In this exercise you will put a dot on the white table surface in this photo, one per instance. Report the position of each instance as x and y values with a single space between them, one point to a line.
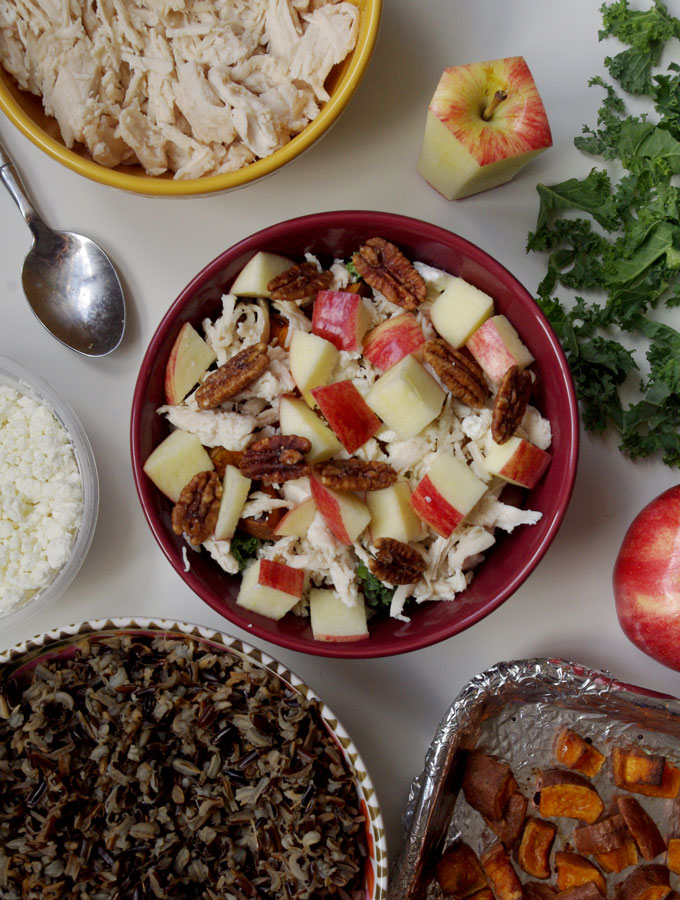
390 706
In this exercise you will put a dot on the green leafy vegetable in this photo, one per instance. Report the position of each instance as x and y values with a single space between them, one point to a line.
351 268
243 548
375 592
613 237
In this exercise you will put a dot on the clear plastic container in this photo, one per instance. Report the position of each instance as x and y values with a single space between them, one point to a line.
15 375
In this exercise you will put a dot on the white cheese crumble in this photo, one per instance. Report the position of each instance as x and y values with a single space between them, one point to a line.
41 497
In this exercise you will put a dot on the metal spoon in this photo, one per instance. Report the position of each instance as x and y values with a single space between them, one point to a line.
69 282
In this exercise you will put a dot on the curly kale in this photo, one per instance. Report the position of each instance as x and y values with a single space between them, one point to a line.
243 548
376 594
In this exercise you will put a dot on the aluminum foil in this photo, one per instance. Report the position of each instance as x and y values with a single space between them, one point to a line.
515 710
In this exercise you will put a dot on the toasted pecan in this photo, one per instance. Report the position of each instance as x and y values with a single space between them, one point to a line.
355 474
396 562
384 267
461 374
510 403
301 281
276 459
232 377
195 513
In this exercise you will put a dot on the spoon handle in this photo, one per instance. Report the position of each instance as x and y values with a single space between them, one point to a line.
10 178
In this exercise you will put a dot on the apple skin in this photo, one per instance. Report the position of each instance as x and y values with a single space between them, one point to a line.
392 340
347 413
647 579
341 318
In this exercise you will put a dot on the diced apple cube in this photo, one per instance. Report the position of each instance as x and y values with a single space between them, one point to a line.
254 277
312 360
332 620
496 346
270 588
392 515
446 494
189 359
235 488
342 318
517 461
297 520
459 311
295 417
406 397
347 413
175 461
392 340
344 514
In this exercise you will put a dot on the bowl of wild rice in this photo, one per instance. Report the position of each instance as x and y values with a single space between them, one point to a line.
151 759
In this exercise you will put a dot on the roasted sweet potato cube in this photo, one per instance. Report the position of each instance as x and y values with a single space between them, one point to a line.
635 767
539 890
459 872
673 855
533 853
651 882
601 837
488 784
565 793
509 828
668 789
619 859
643 828
574 752
587 891
574 869
484 894
501 873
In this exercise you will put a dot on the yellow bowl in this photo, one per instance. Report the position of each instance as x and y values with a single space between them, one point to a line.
26 112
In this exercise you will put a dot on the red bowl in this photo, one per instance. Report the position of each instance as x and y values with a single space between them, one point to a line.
332 235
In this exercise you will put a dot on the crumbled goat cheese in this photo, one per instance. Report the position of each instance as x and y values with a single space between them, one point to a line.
195 87
41 497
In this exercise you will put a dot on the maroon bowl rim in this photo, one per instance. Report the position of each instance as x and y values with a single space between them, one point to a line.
378 223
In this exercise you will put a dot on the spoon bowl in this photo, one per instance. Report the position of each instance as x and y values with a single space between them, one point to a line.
70 283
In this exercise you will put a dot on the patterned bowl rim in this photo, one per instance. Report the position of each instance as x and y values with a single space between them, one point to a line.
376 874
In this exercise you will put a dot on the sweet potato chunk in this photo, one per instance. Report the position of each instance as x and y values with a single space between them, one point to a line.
459 872
539 890
601 837
643 828
533 854
501 873
574 870
484 894
619 859
509 828
637 768
668 789
651 882
587 891
673 855
488 784
574 752
565 793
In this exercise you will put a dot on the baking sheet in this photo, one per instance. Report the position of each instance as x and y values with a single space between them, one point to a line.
514 710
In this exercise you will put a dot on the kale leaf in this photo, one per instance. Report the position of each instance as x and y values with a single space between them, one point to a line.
375 593
243 548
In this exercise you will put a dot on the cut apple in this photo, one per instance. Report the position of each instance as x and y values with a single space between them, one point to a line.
517 461
254 277
459 311
235 488
312 360
392 340
446 494
297 520
189 359
332 620
392 515
342 318
295 417
406 397
347 413
345 515
485 121
496 346
175 461
270 588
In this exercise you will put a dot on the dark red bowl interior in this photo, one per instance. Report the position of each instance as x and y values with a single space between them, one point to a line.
332 235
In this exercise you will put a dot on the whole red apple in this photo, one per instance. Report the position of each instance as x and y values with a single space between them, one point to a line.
647 579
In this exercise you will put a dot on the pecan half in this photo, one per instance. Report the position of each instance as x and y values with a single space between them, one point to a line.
232 377
299 282
396 562
461 374
355 475
221 458
276 459
385 268
510 404
195 513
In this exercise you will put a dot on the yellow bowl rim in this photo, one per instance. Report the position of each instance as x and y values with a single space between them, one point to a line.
210 184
